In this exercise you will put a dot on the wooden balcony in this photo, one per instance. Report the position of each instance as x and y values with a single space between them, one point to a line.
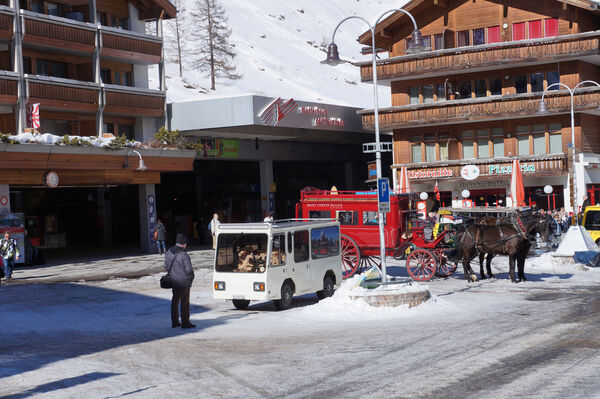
62 94
456 60
50 31
133 101
130 46
6 22
8 87
481 109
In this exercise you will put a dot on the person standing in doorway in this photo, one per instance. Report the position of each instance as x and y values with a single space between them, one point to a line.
160 232
9 250
179 266
214 224
268 218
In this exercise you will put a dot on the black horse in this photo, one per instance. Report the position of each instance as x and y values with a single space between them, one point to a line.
531 224
502 238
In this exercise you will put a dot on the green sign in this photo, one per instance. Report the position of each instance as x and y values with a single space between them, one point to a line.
218 148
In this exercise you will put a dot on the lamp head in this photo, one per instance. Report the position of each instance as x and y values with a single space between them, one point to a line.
142 166
333 56
542 109
417 45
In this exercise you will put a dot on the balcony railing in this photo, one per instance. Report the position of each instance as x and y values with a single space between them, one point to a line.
8 87
133 101
482 56
51 31
65 94
128 45
6 22
478 109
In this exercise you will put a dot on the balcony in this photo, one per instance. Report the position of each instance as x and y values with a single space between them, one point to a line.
6 22
62 94
50 31
133 101
481 109
486 56
130 46
8 87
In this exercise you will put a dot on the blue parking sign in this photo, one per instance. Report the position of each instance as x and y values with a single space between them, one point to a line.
383 194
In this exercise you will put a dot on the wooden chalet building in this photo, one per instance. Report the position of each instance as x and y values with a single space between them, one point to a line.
86 64
474 98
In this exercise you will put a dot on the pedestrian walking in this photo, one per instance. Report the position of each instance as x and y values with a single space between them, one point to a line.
9 250
179 266
214 224
160 234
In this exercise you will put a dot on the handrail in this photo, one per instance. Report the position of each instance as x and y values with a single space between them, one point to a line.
66 22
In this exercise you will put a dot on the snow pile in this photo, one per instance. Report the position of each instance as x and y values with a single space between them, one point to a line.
48 138
279 46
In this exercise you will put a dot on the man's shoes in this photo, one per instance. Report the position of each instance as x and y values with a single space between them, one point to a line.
188 326
176 325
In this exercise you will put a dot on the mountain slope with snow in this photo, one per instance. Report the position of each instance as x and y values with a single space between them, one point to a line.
279 47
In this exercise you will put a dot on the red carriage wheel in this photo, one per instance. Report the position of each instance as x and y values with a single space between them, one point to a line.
367 261
350 256
446 268
421 265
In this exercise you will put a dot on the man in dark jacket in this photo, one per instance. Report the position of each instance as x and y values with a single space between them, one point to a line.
179 266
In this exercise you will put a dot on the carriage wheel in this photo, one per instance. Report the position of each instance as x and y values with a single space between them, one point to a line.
369 261
446 268
421 265
350 256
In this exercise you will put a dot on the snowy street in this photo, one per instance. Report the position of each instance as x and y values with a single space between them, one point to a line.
490 339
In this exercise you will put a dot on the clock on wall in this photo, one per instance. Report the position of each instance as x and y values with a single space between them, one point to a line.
51 179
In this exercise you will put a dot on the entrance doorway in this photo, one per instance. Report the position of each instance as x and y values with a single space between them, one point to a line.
490 197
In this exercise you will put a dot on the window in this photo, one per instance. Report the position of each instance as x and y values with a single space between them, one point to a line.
483 143
553 77
427 94
413 94
325 242
498 141
278 250
539 139
348 218
480 88
550 27
427 41
319 214
53 9
493 34
241 253
105 75
523 140
440 92
467 144
26 64
535 29
438 41
408 43
126 130
127 79
114 21
101 16
429 148
301 246
478 36
117 77
555 138
415 149
521 83
463 38
443 140
464 90
370 218
36 6
108 128
124 23
58 69
518 31
496 86
537 82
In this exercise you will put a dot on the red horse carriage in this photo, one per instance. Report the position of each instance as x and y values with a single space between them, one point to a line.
357 212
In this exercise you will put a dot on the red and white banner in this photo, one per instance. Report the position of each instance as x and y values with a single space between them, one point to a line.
33 116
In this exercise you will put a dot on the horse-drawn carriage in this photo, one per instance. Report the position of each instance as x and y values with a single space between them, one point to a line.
357 212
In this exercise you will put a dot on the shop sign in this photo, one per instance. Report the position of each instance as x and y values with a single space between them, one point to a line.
320 117
372 171
218 148
277 110
507 169
470 172
427 174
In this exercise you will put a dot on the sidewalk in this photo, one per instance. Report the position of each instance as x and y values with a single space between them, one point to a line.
86 269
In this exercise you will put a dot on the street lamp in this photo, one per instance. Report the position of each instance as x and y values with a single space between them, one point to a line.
333 59
572 175
142 166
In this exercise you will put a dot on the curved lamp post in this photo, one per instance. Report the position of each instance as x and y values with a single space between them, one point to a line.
142 165
544 110
333 59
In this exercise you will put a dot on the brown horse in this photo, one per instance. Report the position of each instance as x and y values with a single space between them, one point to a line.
492 240
532 224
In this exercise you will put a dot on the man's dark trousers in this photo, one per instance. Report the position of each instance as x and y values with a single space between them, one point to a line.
183 297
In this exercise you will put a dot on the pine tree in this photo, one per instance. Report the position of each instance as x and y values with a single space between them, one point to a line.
175 36
214 54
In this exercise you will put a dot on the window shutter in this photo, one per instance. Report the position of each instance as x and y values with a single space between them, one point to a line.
518 31
493 34
535 29
551 27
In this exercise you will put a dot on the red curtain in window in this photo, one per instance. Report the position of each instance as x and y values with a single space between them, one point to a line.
518 31
551 27
493 33
535 29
